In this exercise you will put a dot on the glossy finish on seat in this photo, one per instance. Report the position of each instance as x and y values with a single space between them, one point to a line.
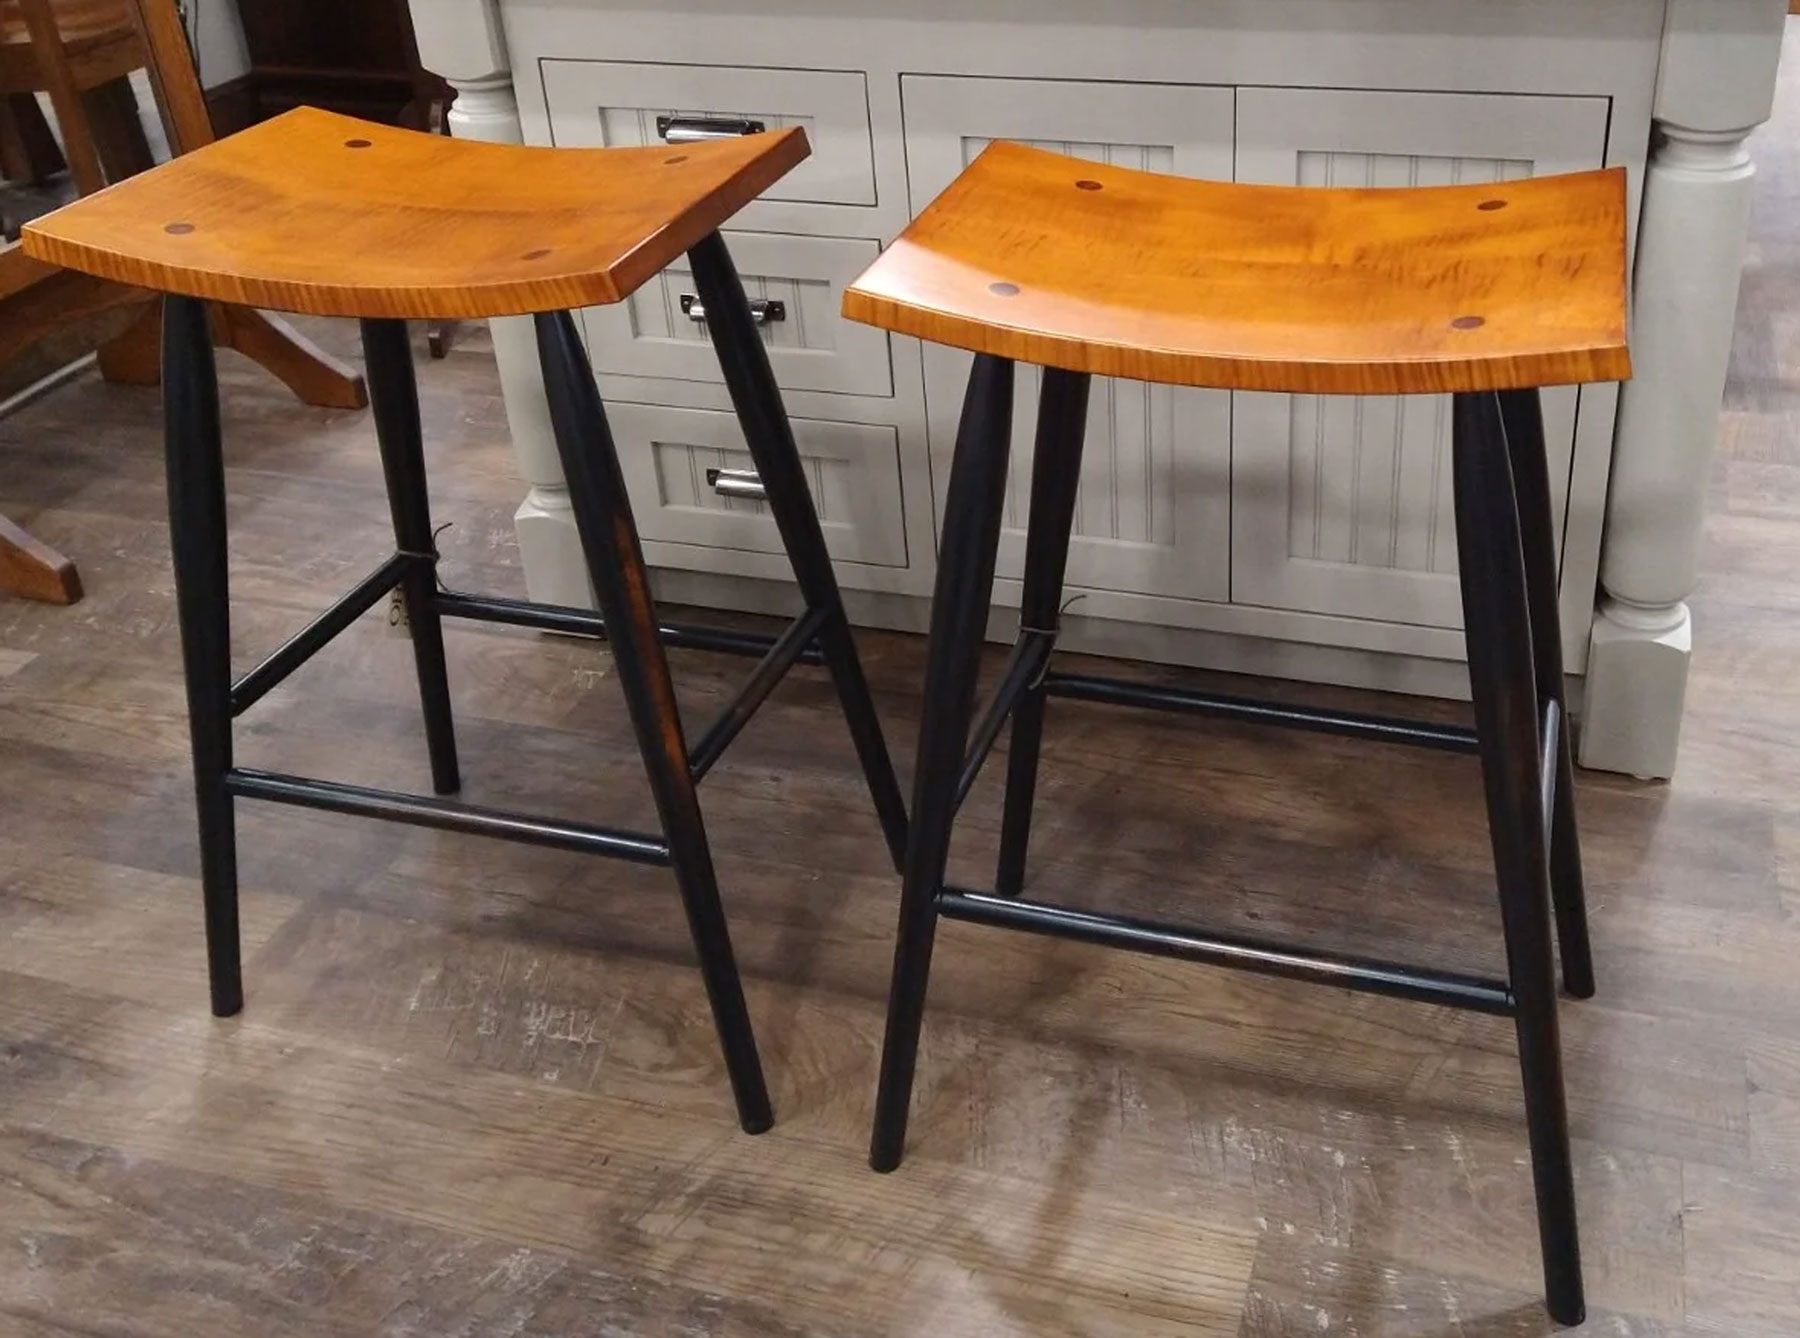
320 213
1041 258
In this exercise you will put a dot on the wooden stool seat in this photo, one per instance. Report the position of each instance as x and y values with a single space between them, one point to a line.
1041 258
326 214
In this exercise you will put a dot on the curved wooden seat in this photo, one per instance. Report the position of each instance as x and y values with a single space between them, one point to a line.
1052 260
320 213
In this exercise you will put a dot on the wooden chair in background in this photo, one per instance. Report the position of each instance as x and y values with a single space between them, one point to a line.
136 359
81 53
29 153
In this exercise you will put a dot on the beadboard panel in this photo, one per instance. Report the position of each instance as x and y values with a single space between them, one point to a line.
1342 504
1153 511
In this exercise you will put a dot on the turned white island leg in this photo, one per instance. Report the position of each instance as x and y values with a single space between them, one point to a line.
463 41
1716 85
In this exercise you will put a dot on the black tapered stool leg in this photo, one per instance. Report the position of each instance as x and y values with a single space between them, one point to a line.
1503 678
1055 485
394 398
196 468
1523 416
959 611
770 437
609 539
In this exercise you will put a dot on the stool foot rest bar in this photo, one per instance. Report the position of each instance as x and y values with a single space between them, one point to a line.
369 591
317 634
424 811
1253 711
796 645
587 622
1157 938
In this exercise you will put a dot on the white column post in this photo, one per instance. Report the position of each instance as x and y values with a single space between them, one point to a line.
1716 84
463 41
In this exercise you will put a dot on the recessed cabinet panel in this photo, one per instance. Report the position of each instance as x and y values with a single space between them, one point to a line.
1153 515
1342 504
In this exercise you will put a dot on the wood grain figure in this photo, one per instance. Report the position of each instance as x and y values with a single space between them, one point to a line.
1047 259
328 215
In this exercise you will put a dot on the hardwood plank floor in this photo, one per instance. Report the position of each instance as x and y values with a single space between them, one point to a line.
476 1092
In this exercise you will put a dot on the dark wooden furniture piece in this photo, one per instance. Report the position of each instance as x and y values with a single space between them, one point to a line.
28 150
311 373
358 57
353 56
81 53
1487 291
35 570
323 214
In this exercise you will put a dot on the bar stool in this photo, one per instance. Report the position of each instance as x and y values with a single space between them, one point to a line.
1488 292
319 213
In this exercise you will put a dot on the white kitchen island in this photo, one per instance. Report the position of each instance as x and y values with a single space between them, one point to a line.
1287 535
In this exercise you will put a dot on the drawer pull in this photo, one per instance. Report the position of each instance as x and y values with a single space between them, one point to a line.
739 483
699 129
763 310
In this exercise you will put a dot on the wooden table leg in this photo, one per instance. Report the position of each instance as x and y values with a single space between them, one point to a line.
28 151
35 570
135 357
305 368
118 130
440 336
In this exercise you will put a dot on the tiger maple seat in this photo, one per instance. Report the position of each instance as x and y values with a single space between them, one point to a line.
1488 292
325 214
1040 258
319 213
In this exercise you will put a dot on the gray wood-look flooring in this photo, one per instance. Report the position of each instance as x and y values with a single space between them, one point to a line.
476 1093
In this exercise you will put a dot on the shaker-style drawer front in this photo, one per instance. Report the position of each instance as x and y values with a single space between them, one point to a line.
692 481
794 284
610 104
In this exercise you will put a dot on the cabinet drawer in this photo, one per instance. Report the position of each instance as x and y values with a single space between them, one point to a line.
852 468
800 280
608 103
